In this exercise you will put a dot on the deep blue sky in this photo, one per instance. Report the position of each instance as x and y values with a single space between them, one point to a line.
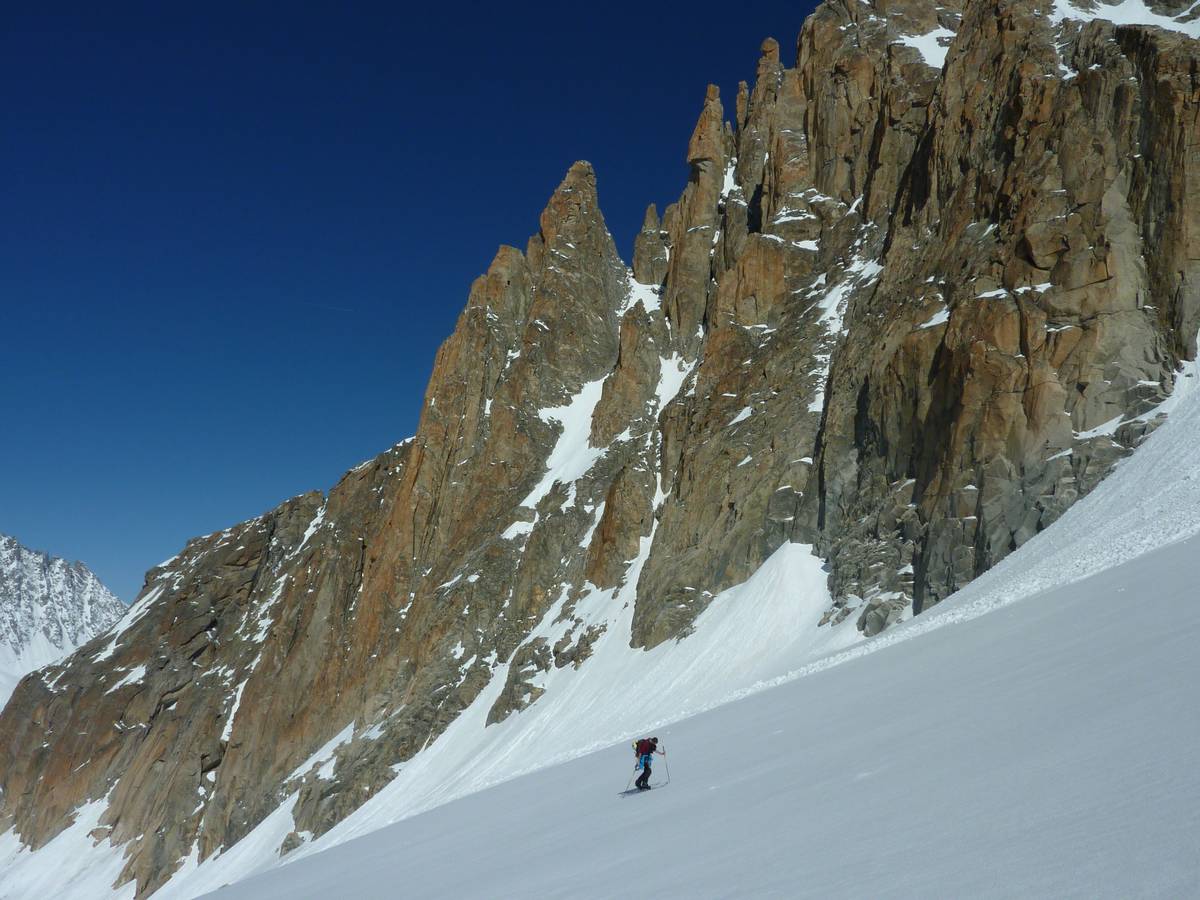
232 236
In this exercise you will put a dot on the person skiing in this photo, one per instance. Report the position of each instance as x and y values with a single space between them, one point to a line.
644 749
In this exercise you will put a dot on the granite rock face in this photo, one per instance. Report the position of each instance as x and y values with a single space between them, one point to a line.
1038 288
914 300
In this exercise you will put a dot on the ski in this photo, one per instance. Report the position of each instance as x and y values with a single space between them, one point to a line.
660 784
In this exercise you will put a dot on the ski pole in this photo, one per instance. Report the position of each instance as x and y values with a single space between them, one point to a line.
667 766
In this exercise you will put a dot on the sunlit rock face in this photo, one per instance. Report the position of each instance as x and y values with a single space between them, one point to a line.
925 283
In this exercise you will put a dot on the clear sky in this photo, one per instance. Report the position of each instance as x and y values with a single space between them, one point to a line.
233 235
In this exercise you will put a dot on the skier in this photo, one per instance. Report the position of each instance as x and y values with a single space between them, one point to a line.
644 750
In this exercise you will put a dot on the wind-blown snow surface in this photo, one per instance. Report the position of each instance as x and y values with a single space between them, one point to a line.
1047 746
48 607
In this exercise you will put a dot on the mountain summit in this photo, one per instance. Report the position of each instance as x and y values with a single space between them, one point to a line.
921 290
48 607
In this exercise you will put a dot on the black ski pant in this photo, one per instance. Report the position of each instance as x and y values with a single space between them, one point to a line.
644 779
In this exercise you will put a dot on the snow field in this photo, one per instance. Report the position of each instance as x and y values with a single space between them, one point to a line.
1151 501
1049 749
750 633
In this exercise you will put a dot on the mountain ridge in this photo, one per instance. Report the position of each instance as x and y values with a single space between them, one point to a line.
48 607
895 316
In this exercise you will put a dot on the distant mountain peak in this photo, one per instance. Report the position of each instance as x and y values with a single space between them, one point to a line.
48 607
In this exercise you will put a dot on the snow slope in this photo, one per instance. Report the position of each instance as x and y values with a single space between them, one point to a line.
48 607
1034 726
751 633
1035 734
1049 749
1032 734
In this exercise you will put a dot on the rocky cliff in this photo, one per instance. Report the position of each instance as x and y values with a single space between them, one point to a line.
920 291
48 607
